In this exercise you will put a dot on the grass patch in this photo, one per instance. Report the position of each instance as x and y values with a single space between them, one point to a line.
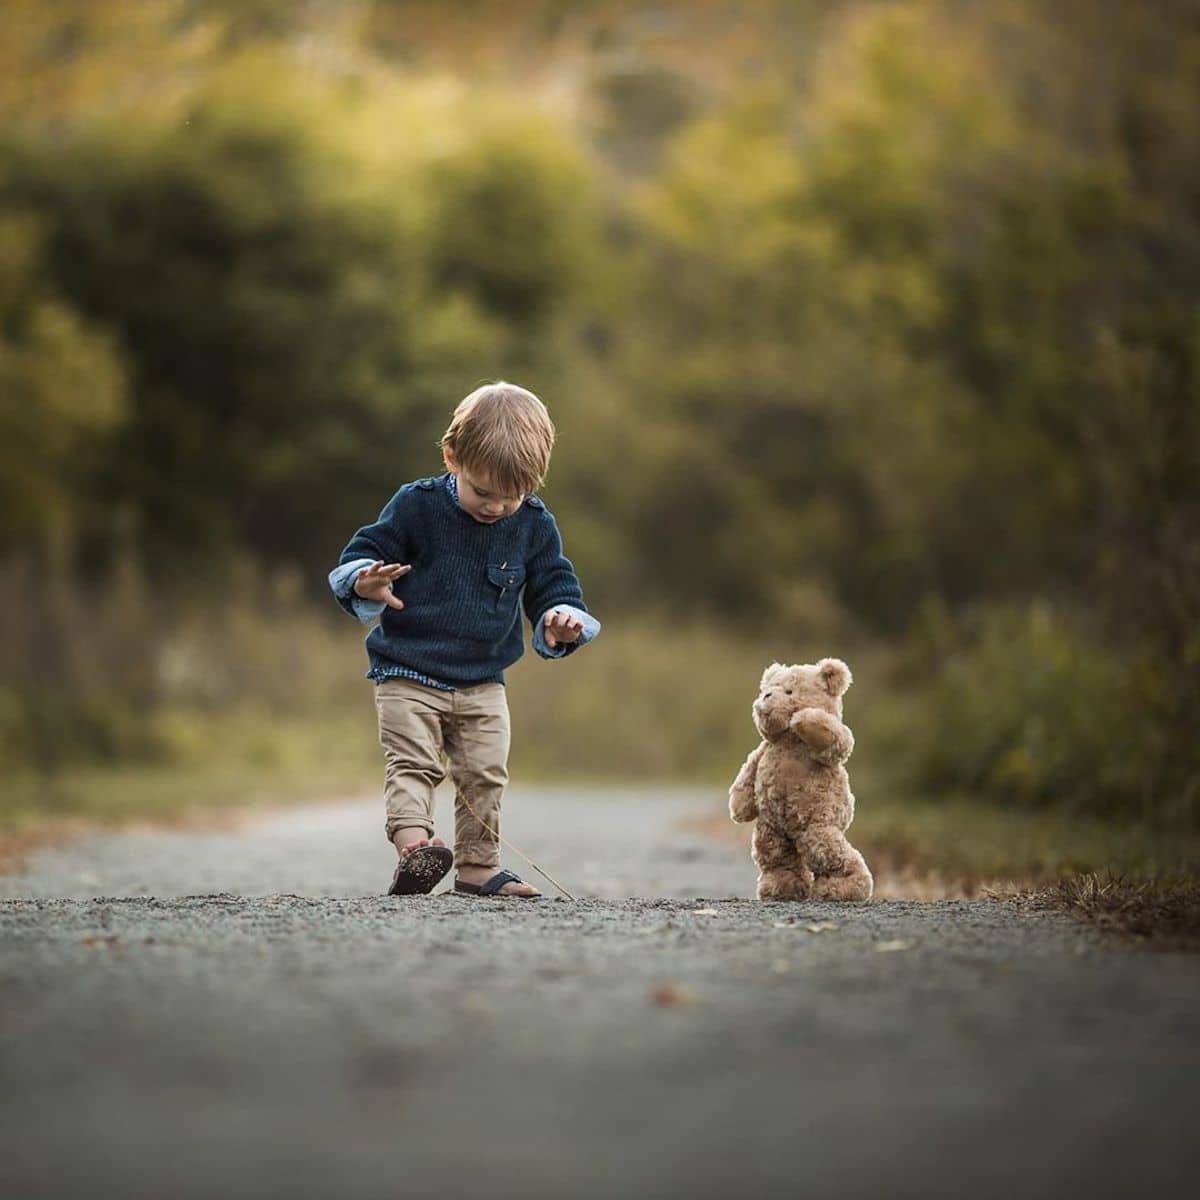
1161 912
983 845
221 765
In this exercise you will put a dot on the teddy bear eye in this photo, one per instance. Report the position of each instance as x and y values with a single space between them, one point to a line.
787 691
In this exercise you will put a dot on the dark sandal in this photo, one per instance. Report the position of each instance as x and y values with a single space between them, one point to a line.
420 871
492 887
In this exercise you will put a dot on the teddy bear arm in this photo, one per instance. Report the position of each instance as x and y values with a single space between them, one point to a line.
827 738
741 795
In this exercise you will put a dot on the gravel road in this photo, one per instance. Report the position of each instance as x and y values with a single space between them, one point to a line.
243 1015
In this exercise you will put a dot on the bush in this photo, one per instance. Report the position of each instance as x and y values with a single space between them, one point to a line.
1024 708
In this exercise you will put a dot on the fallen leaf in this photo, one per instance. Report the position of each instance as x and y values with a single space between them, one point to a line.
780 966
898 944
667 995
821 927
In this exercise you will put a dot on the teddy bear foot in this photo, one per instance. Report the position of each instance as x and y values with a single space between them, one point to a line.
784 883
857 886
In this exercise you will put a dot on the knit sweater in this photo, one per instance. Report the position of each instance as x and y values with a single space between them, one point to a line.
469 581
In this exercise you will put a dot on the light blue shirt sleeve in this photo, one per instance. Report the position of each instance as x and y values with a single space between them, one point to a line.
591 627
341 580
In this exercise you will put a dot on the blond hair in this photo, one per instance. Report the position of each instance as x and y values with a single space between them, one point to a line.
505 432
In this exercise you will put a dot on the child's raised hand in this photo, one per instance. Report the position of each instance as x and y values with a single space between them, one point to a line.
561 627
375 582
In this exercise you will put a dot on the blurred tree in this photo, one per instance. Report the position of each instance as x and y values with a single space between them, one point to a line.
65 392
64 389
896 294
510 224
294 307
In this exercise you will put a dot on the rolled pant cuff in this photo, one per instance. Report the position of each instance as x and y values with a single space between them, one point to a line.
395 823
477 854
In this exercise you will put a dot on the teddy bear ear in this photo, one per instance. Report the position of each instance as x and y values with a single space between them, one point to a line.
768 673
835 675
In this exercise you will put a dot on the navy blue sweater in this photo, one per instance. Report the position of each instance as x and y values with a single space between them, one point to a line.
461 621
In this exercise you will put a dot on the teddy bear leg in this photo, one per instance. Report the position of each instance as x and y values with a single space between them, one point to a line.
785 883
782 874
840 871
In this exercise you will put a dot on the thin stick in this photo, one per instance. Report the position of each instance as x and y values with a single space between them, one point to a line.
520 854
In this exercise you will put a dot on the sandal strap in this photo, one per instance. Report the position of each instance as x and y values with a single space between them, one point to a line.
498 880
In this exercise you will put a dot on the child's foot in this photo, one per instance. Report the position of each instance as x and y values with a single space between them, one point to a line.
424 862
404 849
477 876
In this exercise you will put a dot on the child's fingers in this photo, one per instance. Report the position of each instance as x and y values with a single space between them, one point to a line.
562 627
391 601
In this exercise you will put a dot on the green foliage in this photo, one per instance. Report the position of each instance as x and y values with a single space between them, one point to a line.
1026 710
65 392
510 223
293 309
898 295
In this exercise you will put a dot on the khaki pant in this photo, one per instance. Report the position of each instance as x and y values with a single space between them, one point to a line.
420 730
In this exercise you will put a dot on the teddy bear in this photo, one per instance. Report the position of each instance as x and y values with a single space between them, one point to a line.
796 789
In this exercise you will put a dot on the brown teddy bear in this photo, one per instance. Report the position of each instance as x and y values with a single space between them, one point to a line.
795 787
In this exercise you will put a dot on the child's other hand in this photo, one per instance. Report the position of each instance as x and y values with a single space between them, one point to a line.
561 627
375 582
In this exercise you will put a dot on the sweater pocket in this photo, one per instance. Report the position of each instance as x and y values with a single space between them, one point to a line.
507 582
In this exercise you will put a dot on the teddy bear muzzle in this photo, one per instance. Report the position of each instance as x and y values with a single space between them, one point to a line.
770 719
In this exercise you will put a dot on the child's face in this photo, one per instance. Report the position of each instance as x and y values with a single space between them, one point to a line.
479 496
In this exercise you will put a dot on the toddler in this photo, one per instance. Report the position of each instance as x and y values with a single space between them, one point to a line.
446 570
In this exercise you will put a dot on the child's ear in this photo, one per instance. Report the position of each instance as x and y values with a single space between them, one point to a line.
449 460
835 675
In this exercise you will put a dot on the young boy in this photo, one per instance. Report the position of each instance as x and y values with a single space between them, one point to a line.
443 570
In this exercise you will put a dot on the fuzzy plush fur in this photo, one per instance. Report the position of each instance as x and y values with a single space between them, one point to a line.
795 787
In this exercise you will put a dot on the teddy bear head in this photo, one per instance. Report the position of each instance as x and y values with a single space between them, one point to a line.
785 690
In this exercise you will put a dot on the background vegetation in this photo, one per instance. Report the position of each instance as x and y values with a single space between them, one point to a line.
869 329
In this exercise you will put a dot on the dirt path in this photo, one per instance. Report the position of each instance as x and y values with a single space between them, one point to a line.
245 1016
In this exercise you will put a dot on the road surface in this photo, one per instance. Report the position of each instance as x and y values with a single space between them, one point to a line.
241 1013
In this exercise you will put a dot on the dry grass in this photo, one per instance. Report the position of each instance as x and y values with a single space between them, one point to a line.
1163 913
